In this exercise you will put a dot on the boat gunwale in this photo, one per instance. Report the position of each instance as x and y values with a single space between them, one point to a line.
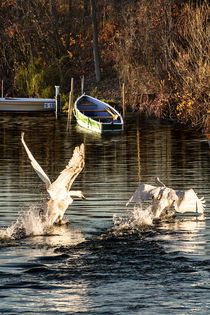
99 101
16 105
27 100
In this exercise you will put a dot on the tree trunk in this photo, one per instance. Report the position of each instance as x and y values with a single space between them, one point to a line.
54 17
95 42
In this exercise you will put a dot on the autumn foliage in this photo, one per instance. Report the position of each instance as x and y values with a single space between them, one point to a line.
158 48
165 60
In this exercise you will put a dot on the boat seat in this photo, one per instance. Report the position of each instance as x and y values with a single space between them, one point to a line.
100 117
92 110
86 104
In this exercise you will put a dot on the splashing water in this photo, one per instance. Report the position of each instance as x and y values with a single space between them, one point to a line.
138 219
28 223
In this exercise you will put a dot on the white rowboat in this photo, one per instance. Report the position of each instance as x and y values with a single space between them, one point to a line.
96 115
10 104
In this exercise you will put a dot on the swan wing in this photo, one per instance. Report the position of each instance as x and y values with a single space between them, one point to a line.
66 178
144 192
188 201
35 164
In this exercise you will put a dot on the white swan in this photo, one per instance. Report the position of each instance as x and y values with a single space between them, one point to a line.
163 198
59 190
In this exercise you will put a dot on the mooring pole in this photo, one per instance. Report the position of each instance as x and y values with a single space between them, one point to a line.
82 84
123 99
69 108
71 103
2 88
58 102
72 98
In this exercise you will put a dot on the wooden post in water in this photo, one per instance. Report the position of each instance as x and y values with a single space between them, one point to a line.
69 106
2 88
71 102
72 97
123 99
82 84
58 102
138 153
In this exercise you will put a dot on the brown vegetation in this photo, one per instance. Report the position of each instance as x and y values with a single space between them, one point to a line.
158 48
165 60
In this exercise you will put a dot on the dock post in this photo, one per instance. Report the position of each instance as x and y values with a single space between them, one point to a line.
123 100
72 98
82 84
72 90
2 88
58 102
71 103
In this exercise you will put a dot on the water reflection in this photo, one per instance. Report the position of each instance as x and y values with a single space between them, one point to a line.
186 234
115 164
91 266
60 236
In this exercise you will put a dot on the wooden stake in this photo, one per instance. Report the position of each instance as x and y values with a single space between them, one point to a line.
138 153
69 106
72 97
58 102
82 84
123 99
72 85
2 88
71 102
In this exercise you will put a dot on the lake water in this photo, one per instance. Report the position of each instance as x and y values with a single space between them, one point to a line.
105 261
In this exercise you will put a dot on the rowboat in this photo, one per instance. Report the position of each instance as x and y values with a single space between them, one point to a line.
96 115
11 104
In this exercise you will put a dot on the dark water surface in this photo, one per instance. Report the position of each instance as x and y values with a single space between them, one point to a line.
105 261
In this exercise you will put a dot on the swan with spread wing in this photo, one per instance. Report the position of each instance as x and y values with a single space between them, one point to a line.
164 199
59 190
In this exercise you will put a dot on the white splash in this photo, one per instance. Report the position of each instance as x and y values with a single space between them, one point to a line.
138 218
34 223
28 223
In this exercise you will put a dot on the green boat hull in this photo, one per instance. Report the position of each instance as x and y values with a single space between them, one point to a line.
95 125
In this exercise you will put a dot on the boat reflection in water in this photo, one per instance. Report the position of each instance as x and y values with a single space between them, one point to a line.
97 265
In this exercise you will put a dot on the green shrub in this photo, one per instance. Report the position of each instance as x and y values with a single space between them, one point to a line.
37 79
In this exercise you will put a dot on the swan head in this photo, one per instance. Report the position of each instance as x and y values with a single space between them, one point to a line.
77 193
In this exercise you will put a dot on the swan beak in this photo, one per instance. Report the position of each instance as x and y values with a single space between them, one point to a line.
83 197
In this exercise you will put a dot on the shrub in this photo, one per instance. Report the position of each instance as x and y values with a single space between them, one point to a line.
37 79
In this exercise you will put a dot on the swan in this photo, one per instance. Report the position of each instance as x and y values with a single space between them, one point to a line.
163 198
59 190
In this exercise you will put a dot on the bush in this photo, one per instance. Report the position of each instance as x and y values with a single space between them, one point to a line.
164 49
37 79
189 65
